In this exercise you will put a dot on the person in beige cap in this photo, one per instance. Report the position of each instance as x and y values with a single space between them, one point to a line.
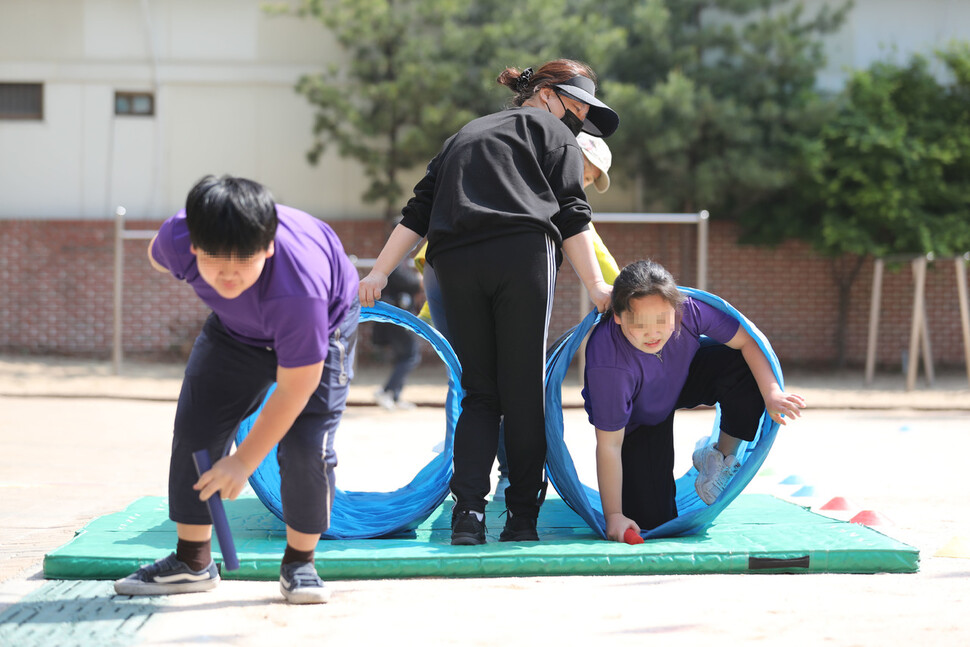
597 159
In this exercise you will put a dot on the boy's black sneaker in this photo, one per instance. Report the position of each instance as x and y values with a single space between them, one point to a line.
519 528
168 575
466 529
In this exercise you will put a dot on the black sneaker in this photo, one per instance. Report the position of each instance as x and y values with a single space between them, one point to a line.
466 529
519 527
168 575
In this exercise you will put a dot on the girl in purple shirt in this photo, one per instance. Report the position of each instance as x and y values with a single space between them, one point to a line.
647 361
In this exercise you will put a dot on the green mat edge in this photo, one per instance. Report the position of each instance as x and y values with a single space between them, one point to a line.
590 556
462 566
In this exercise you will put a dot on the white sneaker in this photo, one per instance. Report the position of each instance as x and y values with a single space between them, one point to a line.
404 405
714 472
700 451
384 399
300 584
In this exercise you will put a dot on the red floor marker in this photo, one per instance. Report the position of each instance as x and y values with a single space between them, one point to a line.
632 537
838 503
870 518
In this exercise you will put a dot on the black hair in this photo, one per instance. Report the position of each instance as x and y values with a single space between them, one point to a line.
230 216
642 279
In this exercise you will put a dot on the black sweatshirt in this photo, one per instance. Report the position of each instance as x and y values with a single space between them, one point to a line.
510 172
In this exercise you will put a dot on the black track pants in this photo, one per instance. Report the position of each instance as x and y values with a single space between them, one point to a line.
717 374
498 298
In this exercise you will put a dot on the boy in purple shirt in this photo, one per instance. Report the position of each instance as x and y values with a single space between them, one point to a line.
284 306
644 363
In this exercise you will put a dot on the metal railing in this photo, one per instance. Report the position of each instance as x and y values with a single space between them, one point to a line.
701 219
121 235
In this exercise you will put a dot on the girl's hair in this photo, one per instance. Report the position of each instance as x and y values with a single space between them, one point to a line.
643 279
526 83
230 216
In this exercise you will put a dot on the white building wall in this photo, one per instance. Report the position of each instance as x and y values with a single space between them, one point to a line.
890 30
223 73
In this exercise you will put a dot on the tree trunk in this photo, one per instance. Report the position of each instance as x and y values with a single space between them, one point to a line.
844 272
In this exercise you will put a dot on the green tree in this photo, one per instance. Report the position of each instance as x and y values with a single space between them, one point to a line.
717 100
415 71
391 102
891 171
715 96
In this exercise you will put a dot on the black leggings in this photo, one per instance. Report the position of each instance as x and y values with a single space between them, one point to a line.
497 298
717 374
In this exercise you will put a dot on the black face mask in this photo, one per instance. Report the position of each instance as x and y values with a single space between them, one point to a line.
573 123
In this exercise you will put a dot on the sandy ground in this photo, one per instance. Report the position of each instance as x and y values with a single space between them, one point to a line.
77 442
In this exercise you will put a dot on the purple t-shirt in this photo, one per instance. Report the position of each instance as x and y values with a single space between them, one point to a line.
626 387
301 296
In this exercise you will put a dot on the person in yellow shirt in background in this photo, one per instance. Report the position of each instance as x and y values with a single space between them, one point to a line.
597 159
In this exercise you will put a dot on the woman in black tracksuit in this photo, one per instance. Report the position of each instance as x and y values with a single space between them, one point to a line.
500 204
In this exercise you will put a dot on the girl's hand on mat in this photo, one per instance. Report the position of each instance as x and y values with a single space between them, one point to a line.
779 404
370 288
228 475
616 526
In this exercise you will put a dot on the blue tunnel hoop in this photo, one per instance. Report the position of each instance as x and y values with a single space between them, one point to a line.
364 515
694 514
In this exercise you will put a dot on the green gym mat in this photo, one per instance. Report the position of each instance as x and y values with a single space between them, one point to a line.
758 533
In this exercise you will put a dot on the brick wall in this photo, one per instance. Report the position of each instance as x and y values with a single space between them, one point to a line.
56 292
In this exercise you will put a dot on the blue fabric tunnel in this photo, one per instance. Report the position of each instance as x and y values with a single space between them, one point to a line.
363 515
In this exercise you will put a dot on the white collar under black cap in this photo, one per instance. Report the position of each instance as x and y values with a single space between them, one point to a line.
601 120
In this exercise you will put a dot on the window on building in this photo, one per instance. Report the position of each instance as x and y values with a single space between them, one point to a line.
21 100
141 104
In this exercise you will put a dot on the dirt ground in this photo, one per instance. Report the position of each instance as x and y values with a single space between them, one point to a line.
77 442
